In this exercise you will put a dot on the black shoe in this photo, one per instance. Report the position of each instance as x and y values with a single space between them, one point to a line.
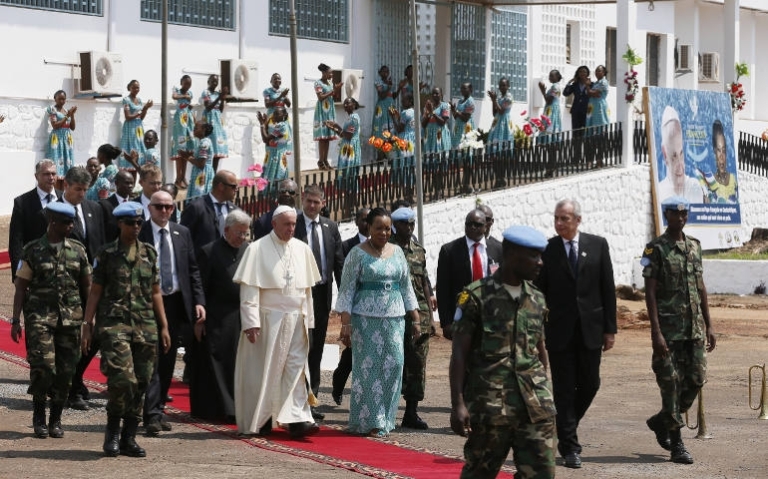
266 429
413 421
128 446
111 445
38 419
317 415
572 460
165 425
153 427
297 430
168 398
54 422
680 454
662 435
77 402
336 397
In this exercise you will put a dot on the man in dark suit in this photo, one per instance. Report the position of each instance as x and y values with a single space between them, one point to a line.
205 215
151 180
488 225
183 300
286 195
123 188
577 281
461 262
27 223
362 232
323 237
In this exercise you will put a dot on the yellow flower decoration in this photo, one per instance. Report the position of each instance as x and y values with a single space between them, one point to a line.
200 181
70 141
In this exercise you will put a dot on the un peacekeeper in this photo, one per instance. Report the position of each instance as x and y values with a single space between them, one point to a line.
415 349
501 396
126 299
53 280
676 300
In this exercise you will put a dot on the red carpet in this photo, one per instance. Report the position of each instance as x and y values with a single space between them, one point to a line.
5 259
372 457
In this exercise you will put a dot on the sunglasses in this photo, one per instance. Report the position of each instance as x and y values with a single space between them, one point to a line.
287 192
162 207
475 224
137 222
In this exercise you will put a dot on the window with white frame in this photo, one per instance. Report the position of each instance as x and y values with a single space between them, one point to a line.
219 14
610 54
652 46
326 20
82 7
509 47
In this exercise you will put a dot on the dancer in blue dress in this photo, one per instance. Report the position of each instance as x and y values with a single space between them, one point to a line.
105 156
435 119
134 111
349 146
405 86
324 111
182 139
278 144
213 102
552 100
597 109
202 161
405 125
501 133
374 295
275 97
152 154
99 187
462 112
60 142
385 94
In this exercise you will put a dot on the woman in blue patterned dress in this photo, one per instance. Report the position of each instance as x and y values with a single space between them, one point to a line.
275 97
405 87
385 94
134 111
99 187
462 112
60 143
202 161
501 133
105 155
152 154
405 124
374 296
324 111
435 123
552 100
183 125
349 146
277 142
213 102
597 109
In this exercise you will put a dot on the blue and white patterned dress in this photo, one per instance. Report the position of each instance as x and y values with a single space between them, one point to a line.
376 292
278 151
152 156
213 116
202 178
99 190
460 126
553 109
133 132
502 129
437 137
324 110
60 143
381 119
597 109
349 150
403 163
183 138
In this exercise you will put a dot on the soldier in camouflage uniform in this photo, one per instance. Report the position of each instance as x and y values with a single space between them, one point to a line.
52 284
126 299
415 349
677 307
501 396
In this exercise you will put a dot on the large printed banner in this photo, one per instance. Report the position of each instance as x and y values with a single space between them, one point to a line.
693 154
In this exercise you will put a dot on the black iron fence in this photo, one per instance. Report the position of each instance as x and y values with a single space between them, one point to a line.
753 154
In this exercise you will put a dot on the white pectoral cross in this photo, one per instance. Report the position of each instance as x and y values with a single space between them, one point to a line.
288 288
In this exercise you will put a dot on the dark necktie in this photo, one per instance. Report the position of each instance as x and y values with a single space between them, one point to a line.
477 263
79 230
48 199
573 258
220 217
316 248
166 275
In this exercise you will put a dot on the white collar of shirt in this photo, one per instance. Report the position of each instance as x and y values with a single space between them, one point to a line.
43 194
157 238
120 199
215 202
145 203
482 249
471 242
362 238
567 243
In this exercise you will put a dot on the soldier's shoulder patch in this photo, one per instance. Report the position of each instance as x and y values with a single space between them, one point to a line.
647 252
463 298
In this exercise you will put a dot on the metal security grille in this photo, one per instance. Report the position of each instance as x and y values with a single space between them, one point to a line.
509 48
468 48
393 37
82 7
219 14
326 20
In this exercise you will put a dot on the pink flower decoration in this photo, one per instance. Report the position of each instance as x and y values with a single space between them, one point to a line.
527 129
247 182
261 183
545 119
523 113
256 167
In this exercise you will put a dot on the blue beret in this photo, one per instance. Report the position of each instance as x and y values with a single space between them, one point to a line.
675 203
403 214
525 236
61 208
128 209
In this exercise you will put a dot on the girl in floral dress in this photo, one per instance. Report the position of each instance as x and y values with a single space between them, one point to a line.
105 155
275 97
349 146
384 100
435 123
324 111
501 133
134 111
99 187
202 161
597 109
152 154
183 126
552 99
462 114
213 102
405 124
278 144
60 143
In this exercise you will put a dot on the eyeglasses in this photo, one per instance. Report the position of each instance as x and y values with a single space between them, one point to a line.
137 222
475 224
287 192
162 207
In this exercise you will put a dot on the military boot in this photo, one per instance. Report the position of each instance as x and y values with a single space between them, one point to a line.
680 454
411 419
128 446
112 437
54 421
38 418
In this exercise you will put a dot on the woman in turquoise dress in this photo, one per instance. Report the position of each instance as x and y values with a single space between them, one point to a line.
349 146
324 111
437 136
385 98
552 100
405 86
462 112
99 187
277 142
375 295
202 161
134 111
105 156
501 133
213 102
404 123
152 154
60 142
597 109
275 97
183 125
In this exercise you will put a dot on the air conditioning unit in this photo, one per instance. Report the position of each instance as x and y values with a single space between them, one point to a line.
684 57
353 84
101 73
241 77
709 69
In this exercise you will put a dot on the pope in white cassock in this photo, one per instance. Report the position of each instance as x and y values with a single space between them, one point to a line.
276 276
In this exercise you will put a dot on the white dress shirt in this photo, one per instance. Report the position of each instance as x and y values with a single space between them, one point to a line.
44 194
79 213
